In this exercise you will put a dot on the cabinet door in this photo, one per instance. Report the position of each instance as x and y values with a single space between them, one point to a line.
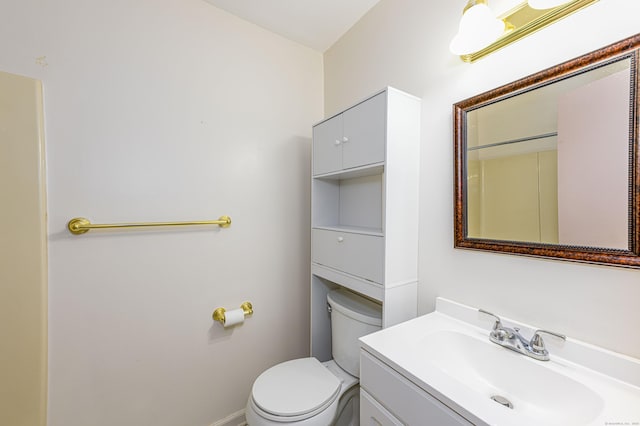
364 132
406 401
356 254
363 256
327 146
326 248
374 414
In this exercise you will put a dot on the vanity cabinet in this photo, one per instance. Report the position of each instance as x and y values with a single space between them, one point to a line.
364 209
388 398
373 413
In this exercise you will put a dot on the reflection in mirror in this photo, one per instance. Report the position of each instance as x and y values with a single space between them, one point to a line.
552 166
548 166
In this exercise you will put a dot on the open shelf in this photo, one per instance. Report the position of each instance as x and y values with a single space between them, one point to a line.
356 172
356 202
376 232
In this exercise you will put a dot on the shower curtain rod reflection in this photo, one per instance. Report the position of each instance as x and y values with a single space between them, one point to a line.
509 142
80 225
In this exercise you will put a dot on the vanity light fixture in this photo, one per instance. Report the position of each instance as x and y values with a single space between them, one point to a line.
482 33
546 4
478 28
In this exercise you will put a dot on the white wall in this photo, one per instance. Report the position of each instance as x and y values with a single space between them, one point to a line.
404 43
168 110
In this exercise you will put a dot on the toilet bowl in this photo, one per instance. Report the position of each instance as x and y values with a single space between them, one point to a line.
307 392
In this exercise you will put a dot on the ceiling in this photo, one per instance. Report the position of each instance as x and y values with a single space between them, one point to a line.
314 23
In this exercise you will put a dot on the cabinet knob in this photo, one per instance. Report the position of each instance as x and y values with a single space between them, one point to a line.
345 139
337 142
340 239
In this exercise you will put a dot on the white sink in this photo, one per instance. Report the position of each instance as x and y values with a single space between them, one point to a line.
449 356
535 391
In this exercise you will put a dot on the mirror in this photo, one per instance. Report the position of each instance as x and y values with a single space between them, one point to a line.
548 165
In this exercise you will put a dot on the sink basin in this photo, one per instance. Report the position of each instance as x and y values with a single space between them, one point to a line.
536 392
448 355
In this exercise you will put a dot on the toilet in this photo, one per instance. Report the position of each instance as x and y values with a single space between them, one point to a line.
307 392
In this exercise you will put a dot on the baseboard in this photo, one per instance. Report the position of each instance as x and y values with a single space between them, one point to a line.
235 419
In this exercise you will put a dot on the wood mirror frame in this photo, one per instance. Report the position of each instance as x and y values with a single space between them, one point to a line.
630 257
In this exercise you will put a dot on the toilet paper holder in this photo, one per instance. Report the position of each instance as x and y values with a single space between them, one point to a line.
219 313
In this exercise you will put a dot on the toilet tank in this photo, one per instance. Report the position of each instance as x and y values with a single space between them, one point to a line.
352 316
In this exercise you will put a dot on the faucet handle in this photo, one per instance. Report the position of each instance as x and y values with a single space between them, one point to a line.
498 323
537 344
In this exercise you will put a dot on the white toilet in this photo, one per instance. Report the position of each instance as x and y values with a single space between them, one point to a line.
306 392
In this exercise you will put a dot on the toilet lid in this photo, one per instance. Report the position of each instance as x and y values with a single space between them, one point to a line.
294 388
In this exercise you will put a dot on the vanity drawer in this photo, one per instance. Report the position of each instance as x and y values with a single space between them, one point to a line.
357 254
406 401
372 413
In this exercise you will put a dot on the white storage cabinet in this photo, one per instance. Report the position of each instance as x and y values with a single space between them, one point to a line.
350 139
365 209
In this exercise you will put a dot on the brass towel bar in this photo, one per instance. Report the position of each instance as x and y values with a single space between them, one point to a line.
80 225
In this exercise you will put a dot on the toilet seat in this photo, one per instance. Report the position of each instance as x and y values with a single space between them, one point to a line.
277 392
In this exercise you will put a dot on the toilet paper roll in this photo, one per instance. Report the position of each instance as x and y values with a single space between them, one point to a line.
233 317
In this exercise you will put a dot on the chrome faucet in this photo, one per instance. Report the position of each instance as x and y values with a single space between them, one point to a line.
511 338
